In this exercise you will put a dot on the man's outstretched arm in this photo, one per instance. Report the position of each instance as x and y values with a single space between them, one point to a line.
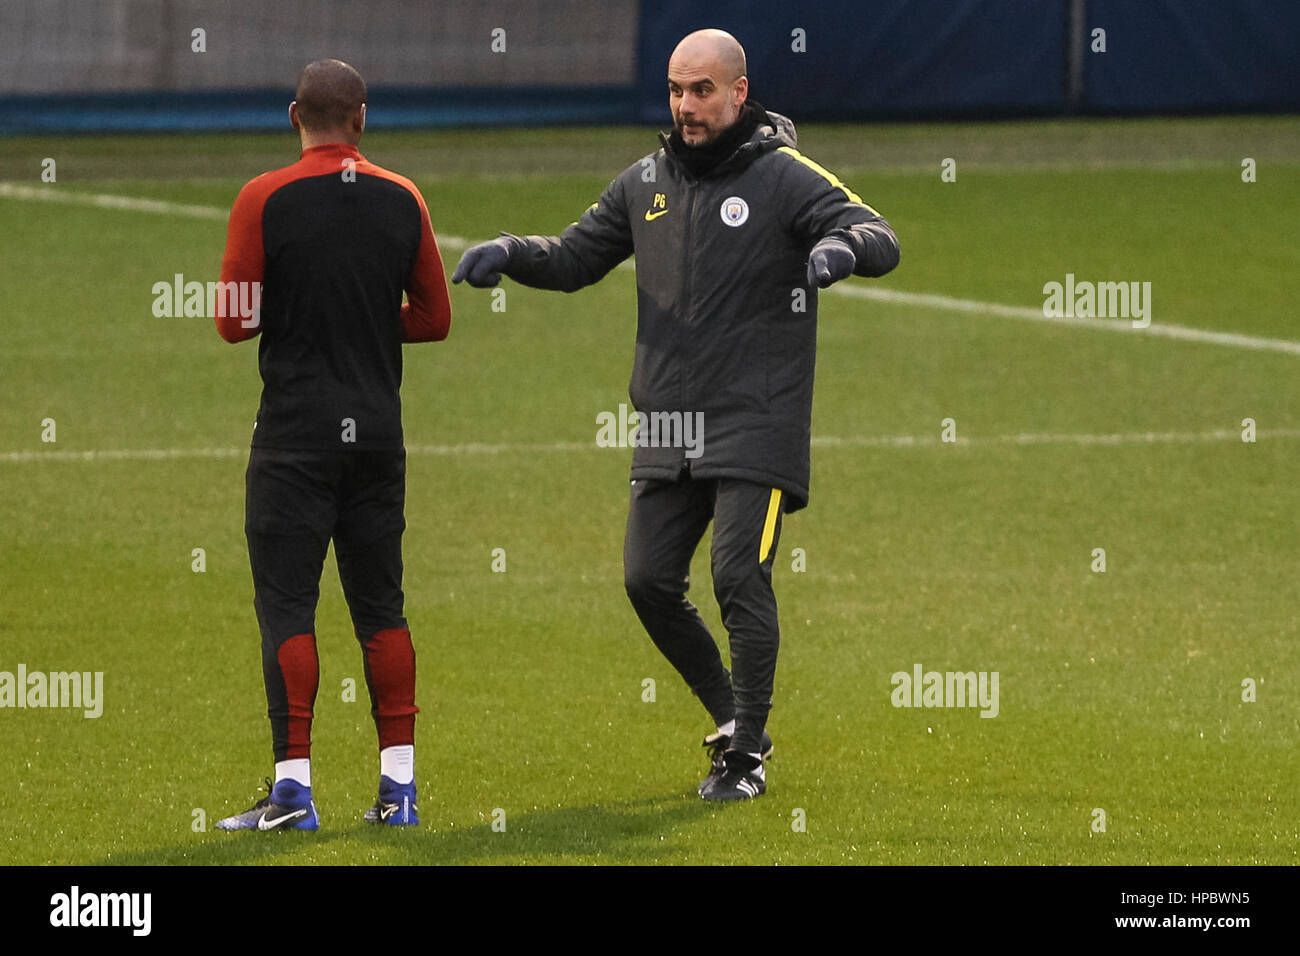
579 256
846 236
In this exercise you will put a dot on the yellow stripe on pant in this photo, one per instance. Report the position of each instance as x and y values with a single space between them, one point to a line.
769 526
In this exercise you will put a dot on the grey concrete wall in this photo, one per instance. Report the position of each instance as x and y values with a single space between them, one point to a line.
66 46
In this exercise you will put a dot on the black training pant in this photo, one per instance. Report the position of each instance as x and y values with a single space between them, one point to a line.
665 522
295 503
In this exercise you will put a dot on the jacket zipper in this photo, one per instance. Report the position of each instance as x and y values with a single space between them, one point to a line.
688 300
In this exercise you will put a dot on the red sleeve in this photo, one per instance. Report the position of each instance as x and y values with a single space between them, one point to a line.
426 315
244 262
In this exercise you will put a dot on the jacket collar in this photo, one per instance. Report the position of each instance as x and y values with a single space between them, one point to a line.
329 150
773 131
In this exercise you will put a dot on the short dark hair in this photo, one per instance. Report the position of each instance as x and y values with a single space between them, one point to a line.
329 92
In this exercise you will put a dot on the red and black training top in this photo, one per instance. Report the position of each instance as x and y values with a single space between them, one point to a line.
333 240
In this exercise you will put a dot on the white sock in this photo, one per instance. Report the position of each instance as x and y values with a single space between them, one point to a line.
398 763
299 770
759 769
728 728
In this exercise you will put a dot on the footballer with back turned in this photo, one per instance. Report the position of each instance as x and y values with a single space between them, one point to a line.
333 240
734 230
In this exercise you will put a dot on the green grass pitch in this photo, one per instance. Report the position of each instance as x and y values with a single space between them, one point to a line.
1120 691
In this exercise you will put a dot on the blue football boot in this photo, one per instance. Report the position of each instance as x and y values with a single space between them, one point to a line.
395 806
286 806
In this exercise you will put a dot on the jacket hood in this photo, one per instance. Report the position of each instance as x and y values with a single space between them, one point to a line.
773 132
778 127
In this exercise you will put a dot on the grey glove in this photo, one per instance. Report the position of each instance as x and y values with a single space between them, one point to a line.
481 266
830 261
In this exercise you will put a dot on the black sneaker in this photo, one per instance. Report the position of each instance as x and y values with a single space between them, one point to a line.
741 780
717 745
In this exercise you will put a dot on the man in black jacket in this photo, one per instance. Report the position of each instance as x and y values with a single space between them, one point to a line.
734 230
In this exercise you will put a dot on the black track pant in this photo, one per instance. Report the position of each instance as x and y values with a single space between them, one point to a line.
296 502
665 523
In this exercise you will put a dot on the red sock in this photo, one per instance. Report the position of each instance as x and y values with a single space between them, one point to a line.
390 663
301 670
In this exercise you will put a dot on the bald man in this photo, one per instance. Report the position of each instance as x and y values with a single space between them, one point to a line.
331 243
734 231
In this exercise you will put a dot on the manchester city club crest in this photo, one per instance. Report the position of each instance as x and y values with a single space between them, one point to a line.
734 211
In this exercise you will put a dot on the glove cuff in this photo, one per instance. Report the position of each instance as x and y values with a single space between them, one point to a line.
512 245
836 238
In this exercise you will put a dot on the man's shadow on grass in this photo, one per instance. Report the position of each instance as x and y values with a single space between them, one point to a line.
633 831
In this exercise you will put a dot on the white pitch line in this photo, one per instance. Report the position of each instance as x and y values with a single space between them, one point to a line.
123 454
1183 332
52 193
819 441
1050 438
855 291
